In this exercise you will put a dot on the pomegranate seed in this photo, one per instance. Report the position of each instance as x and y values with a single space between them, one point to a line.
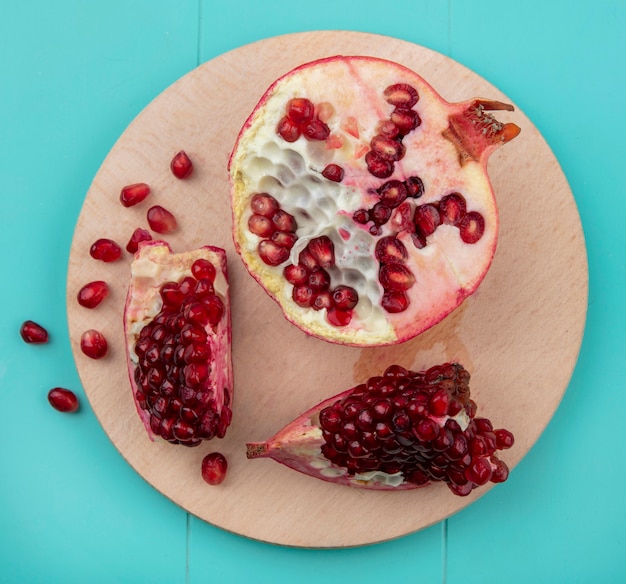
295 274
389 250
283 221
284 239
472 227
316 130
401 94
504 439
426 219
181 165
271 253
203 269
452 208
136 238
288 130
133 194
395 277
387 129
214 467
260 225
92 294
264 204
215 309
387 148
161 220
479 472
414 187
378 166
392 193
333 172
322 300
394 302
345 297
303 296
338 317
105 250
380 213
501 471
361 216
63 400
406 119
33 333
93 344
319 279
300 110
323 251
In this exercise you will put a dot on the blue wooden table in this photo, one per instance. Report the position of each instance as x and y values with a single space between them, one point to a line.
74 74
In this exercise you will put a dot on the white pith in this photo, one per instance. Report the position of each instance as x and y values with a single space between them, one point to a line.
446 270
153 265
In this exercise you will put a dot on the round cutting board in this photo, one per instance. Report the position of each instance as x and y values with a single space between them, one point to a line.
519 334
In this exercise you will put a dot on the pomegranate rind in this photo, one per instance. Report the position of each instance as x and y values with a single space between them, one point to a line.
153 264
448 151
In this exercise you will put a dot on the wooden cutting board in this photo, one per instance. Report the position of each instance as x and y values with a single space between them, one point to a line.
519 334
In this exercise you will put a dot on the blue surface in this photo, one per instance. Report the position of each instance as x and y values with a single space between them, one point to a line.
74 75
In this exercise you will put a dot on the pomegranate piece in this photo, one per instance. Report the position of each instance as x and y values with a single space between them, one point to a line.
92 294
178 339
181 165
214 467
105 250
382 170
94 344
33 333
136 238
401 430
63 400
133 194
161 220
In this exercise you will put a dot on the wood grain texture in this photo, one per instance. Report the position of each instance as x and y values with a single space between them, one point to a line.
519 334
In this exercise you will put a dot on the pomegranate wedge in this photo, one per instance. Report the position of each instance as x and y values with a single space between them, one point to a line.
398 431
342 154
178 338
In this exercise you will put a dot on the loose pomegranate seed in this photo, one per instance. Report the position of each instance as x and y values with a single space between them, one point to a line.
93 344
323 251
133 194
452 208
161 220
181 165
214 467
401 94
33 333
136 238
63 400
472 227
300 110
288 130
264 204
105 250
92 294
333 172
426 219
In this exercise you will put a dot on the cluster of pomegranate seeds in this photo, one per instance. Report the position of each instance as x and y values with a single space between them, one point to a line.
94 344
312 283
386 146
105 250
394 276
136 238
33 333
92 294
300 119
275 227
173 372
408 422
161 220
181 165
63 400
214 467
133 194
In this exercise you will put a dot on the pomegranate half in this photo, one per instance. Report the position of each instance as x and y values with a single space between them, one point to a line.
361 201
401 430
178 339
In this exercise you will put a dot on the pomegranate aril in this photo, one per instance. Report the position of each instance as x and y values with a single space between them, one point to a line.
390 250
203 269
271 253
322 250
378 166
214 468
414 187
92 294
344 297
394 302
426 219
136 238
134 194
93 344
401 94
500 472
316 130
339 317
288 130
260 225
472 227
395 277
392 193
33 333
63 400
405 119
380 213
300 110
284 238
161 220
387 148
504 439
215 308
452 208
323 300
295 274
333 172
264 204
283 221
181 165
303 296
105 250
